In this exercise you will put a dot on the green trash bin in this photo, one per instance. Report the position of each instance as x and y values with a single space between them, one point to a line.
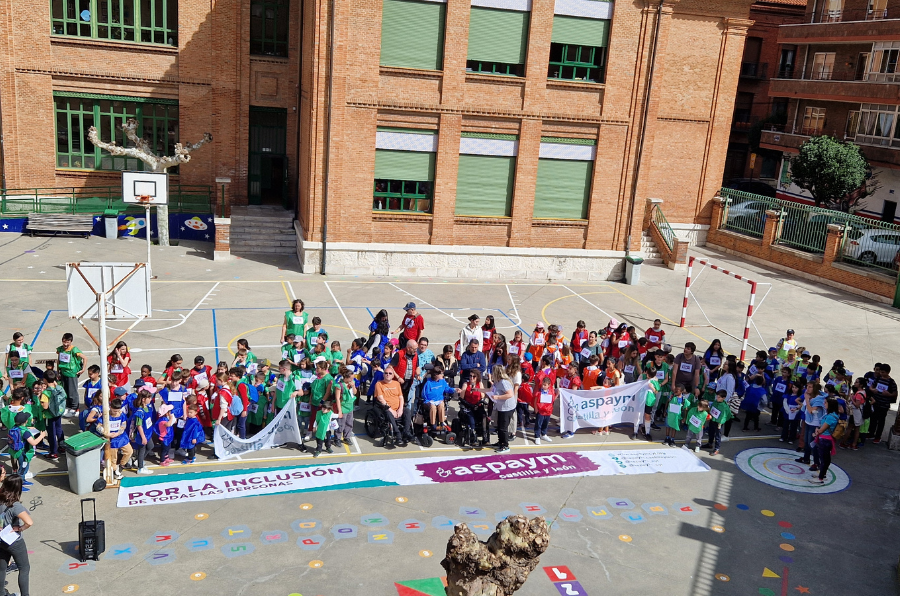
83 454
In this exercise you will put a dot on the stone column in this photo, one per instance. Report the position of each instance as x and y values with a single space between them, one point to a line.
222 250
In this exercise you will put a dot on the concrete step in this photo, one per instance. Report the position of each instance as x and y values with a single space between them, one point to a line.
264 251
262 243
272 224
257 232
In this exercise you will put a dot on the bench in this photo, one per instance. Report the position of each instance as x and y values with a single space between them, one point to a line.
56 223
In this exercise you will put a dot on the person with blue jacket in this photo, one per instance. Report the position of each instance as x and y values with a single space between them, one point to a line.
192 435
471 359
434 391
753 397
118 434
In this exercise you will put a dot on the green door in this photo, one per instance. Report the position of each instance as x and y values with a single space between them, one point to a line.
268 172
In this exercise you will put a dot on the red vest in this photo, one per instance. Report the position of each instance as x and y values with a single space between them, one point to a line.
400 367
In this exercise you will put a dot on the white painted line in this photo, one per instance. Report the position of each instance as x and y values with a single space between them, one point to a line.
291 288
184 318
515 309
343 314
589 302
355 445
426 303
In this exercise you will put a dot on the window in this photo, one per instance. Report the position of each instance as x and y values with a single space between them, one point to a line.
852 124
779 107
823 66
412 34
77 112
402 195
578 49
883 65
769 168
144 21
813 121
404 170
743 105
876 124
831 11
786 63
484 185
862 60
498 41
877 10
269 21
563 187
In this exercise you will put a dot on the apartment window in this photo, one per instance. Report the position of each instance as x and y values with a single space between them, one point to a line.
743 105
404 170
578 49
852 124
883 64
399 47
779 107
831 11
862 61
498 41
823 66
402 195
77 112
269 27
144 21
786 63
876 124
877 10
813 121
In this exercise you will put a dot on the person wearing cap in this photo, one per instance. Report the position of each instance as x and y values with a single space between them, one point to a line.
412 325
538 342
470 332
798 370
785 344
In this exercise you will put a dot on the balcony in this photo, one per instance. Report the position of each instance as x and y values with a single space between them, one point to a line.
754 70
790 142
836 85
844 26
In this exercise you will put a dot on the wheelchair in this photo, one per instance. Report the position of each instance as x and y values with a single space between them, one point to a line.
378 426
463 434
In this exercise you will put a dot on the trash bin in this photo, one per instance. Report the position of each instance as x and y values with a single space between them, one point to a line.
111 223
83 454
633 270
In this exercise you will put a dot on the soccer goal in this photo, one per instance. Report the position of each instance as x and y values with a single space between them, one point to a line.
752 307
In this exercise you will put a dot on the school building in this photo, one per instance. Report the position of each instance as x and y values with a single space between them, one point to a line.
478 138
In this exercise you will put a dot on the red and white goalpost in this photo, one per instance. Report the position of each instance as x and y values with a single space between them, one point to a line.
691 281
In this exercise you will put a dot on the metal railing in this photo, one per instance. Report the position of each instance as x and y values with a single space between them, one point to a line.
659 220
755 70
855 14
870 243
183 198
745 213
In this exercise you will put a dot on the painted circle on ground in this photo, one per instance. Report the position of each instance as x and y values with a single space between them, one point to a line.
768 513
201 516
198 576
425 553
742 507
787 547
295 594
70 589
776 467
401 499
717 529
785 524
306 506
624 537
786 559
316 563
787 536
722 577
720 506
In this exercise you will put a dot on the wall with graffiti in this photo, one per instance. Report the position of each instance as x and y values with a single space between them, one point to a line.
182 226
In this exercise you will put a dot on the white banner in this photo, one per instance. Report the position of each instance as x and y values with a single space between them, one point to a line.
601 407
283 429
205 486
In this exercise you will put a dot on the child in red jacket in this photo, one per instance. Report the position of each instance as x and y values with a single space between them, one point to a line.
543 405
525 397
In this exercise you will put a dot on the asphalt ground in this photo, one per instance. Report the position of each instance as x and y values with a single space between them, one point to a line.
842 543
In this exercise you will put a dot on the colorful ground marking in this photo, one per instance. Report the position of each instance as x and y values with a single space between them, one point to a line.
570 589
787 547
786 559
624 537
425 554
722 577
769 573
768 513
717 529
720 506
785 525
742 507
401 499
432 586
559 573
198 576
802 589
766 592
787 536
316 564
306 506
70 589
776 467
201 516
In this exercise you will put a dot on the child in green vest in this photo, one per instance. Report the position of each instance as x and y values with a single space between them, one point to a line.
53 403
696 419
346 399
18 370
256 412
673 416
323 428
22 441
336 357
719 414
71 365
17 398
312 335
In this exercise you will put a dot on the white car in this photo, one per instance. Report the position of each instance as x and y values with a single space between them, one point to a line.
873 246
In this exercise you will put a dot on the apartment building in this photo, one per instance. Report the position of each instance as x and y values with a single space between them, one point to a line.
424 137
839 72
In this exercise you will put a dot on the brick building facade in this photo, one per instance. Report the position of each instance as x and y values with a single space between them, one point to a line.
442 132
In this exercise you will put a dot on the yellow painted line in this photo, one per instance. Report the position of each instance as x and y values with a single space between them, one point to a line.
347 449
235 338
286 295
658 314
543 310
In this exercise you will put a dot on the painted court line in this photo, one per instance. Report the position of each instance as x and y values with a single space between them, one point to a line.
424 302
343 314
184 318
588 301
515 308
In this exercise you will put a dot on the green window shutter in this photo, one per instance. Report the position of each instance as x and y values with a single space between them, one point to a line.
579 31
498 35
484 185
412 34
562 189
404 165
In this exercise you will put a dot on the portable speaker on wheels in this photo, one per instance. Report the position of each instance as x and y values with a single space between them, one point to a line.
91 535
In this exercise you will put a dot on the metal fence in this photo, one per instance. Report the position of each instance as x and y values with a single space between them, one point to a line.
662 225
865 242
183 198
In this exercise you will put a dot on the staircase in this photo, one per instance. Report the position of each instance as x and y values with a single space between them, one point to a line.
649 251
263 229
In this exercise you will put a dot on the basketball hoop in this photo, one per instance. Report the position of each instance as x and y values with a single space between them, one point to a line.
145 200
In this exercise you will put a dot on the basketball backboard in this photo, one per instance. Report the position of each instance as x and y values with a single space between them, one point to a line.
145 184
127 288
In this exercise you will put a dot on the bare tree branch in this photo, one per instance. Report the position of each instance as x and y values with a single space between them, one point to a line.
130 130
207 138
118 150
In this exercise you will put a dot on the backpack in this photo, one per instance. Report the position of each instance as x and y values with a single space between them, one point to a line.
252 393
236 408
839 430
15 440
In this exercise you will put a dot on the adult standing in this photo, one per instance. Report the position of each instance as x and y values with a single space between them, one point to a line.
14 514
411 326
786 344
592 347
687 368
579 340
472 359
379 331
884 392
406 366
294 320
426 358
824 440
504 398
470 332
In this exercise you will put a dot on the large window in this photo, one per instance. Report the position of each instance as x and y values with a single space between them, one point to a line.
883 62
578 49
813 121
269 27
563 187
77 112
145 21
404 170
498 41
412 34
877 124
823 66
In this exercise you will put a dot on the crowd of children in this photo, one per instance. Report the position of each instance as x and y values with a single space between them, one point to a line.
170 415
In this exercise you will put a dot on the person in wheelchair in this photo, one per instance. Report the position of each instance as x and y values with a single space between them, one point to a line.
434 391
389 397
472 407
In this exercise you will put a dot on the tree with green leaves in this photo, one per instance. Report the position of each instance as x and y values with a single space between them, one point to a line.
833 171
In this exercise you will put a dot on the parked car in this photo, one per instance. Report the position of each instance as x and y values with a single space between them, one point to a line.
748 215
807 230
873 246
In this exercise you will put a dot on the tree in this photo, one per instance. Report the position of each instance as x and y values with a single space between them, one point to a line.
832 171
155 163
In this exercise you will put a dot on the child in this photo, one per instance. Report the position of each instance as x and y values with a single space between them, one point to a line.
174 395
146 376
696 419
591 372
71 364
674 415
241 393
17 369
174 364
719 414
256 411
286 386
525 397
92 385
221 401
200 372
312 335
650 398
93 421
357 360
538 341
222 368
377 375
53 404
17 400
166 433
243 344
336 357
22 441
118 439
790 408
515 346
118 361
321 386
855 404
346 400
192 436
18 346
323 421
543 406
142 430
751 402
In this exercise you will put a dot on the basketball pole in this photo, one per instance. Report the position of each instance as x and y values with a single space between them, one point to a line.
104 384
148 239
